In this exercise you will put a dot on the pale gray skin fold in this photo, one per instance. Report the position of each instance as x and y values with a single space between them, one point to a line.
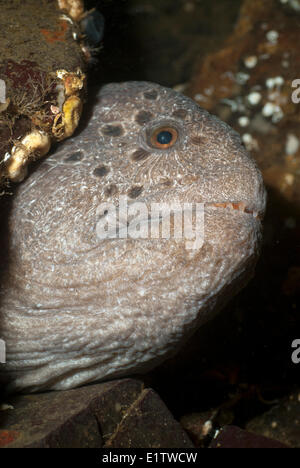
77 309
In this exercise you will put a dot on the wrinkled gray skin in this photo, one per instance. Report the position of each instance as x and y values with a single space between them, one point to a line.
75 308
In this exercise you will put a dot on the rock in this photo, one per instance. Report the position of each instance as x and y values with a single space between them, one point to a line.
199 426
120 413
149 424
159 41
282 422
41 81
234 437
253 84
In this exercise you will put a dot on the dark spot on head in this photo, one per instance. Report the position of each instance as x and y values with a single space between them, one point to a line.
197 140
152 94
112 130
101 171
140 154
143 117
111 190
78 156
134 192
180 113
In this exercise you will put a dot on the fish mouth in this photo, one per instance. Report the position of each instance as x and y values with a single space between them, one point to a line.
238 206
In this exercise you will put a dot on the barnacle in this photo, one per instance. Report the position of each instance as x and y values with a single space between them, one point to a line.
66 121
58 126
38 105
4 105
74 8
33 145
73 82
72 110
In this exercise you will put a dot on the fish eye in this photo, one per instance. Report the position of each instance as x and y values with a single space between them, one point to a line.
163 137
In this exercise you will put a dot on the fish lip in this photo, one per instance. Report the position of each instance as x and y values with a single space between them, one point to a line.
240 206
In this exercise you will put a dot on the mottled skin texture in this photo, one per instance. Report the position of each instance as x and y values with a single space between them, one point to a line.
75 309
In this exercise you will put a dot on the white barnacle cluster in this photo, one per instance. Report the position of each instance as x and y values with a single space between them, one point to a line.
266 103
250 61
272 36
292 144
243 121
199 97
254 98
250 142
242 78
263 102
293 4
272 107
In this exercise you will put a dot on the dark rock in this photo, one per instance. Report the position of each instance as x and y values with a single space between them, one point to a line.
120 413
199 426
149 424
282 422
234 437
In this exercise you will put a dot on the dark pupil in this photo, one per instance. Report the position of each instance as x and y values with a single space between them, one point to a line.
164 137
